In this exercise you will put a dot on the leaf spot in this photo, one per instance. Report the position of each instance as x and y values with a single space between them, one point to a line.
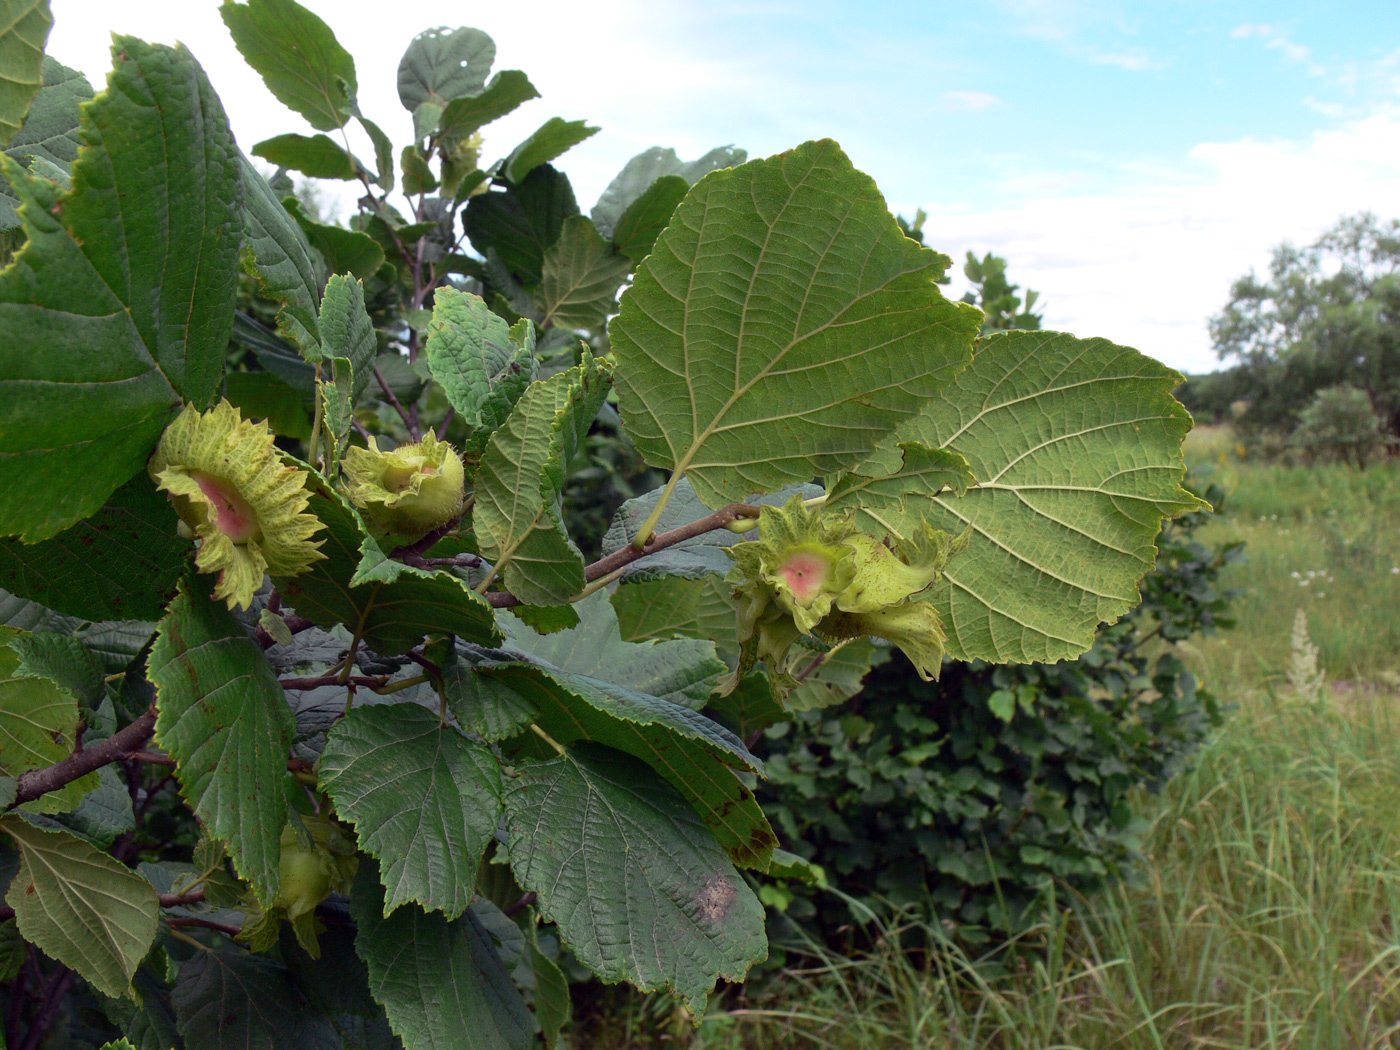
716 897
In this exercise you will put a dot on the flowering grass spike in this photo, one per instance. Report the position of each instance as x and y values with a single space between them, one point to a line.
246 506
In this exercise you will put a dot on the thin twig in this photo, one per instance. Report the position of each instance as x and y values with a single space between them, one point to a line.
207 924
39 782
408 421
526 899
53 999
446 422
177 900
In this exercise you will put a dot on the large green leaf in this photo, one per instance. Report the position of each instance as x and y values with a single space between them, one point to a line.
279 256
263 396
442 983
545 143
24 29
38 726
442 64
224 718
482 363
65 661
520 222
50 130
345 251
298 57
235 1000
694 753
464 115
319 156
337 983
640 175
81 907
892 488
636 883
1076 445
581 276
349 345
424 799
647 216
393 612
671 607
517 517
120 564
782 326
120 304
681 671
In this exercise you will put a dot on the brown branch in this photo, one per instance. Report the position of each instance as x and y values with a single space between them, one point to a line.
206 924
334 679
411 422
176 900
526 899
53 999
296 624
628 554
120 744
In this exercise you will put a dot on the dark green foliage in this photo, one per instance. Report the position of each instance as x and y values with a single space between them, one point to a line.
923 794
1340 423
996 296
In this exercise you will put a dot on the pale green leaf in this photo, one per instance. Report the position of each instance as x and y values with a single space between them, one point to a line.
892 488
645 218
520 222
782 326
695 754
318 156
424 800
442 983
392 614
682 671
580 279
417 176
517 517
674 607
81 907
640 174
838 676
118 307
547 141
298 57
635 881
224 718
349 345
121 563
483 364
383 152
50 130
38 727
279 256
442 64
1076 445
24 29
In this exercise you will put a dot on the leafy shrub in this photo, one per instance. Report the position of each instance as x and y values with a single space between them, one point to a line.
1340 423
967 797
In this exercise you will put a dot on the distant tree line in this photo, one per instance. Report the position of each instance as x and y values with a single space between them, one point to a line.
1326 319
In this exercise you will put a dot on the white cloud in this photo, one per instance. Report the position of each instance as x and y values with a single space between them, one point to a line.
1275 38
1134 59
974 100
1148 264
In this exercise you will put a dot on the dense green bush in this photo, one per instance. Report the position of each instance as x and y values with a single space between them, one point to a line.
970 796
1340 423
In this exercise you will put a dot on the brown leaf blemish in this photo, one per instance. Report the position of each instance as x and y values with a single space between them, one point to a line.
715 898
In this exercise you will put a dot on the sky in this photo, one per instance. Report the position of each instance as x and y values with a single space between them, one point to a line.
1129 159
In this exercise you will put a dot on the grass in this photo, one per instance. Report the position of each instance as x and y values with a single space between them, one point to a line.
1264 915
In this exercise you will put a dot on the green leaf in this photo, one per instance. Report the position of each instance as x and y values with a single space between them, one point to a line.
337 983
38 727
65 661
517 517
783 325
483 364
224 719
700 556
442 983
839 677
417 176
442 64
349 345
393 615
647 216
640 175
424 799
552 1007
24 29
467 114
319 156
694 753
481 705
121 563
681 671
520 222
548 141
636 883
235 1000
51 129
279 256
1076 445
383 152
118 307
81 907
891 489
345 251
672 607
261 395
749 709
580 277
790 866
297 56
